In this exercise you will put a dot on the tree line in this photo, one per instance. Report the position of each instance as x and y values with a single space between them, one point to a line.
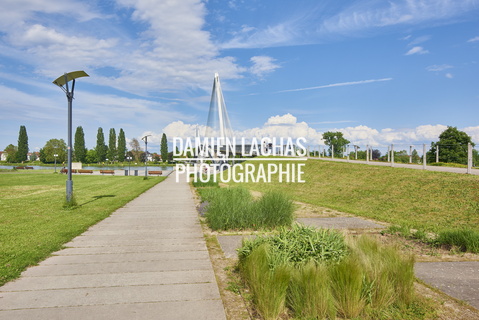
114 151
452 147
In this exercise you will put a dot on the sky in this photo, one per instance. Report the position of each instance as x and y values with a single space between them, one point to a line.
380 72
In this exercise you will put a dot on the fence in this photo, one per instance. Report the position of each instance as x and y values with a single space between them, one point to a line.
467 156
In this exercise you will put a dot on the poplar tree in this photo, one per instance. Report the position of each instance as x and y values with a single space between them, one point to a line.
121 145
111 155
22 151
164 148
101 147
79 145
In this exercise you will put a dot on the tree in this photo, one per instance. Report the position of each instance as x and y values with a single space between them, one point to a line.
415 157
91 156
121 146
52 147
101 148
337 140
135 149
11 151
164 148
376 154
22 150
112 153
79 145
452 146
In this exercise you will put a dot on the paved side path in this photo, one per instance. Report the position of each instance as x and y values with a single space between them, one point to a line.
148 260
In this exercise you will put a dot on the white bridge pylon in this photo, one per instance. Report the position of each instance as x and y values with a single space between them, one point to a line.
218 125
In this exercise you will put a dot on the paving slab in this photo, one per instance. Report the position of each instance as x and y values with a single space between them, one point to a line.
340 223
185 310
458 279
148 260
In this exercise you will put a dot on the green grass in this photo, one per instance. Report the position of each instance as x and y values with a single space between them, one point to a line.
33 222
235 209
431 201
369 281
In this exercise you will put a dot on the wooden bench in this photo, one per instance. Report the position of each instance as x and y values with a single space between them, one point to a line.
23 168
107 171
158 173
84 171
64 170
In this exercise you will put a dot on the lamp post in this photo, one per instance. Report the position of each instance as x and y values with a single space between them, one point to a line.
63 81
129 159
145 138
55 155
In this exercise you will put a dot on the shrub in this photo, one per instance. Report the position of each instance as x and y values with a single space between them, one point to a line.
365 279
300 245
309 295
201 184
234 208
465 239
268 285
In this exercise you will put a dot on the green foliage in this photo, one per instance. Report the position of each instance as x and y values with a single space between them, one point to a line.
337 140
268 285
370 280
91 156
465 239
80 151
101 148
309 295
112 151
234 208
121 145
201 184
164 148
11 151
452 146
52 147
22 151
300 245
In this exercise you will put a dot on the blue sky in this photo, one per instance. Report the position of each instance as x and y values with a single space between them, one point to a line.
381 72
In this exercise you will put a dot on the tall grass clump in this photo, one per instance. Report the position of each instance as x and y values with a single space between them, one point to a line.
464 239
309 295
235 208
228 208
329 275
201 184
268 284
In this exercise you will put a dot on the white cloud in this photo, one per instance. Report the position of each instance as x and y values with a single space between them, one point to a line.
416 50
282 120
287 125
341 84
437 68
170 51
363 15
449 75
474 133
473 39
263 65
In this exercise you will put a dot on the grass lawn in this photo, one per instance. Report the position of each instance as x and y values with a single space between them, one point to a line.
433 201
33 222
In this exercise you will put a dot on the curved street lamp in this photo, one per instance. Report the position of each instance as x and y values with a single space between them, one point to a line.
145 138
62 81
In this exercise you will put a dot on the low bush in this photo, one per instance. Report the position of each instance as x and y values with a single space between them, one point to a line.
365 280
201 184
235 208
464 239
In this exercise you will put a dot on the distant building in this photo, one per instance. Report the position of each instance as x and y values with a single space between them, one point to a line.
3 156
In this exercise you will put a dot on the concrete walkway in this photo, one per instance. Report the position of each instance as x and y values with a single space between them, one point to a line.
148 260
